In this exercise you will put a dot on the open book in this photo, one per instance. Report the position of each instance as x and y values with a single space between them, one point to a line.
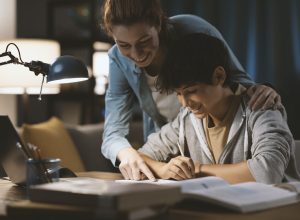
105 195
242 197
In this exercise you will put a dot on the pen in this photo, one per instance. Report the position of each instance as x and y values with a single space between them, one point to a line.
24 152
182 154
180 149
35 151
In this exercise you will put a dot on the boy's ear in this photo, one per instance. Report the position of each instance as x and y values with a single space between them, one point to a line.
219 76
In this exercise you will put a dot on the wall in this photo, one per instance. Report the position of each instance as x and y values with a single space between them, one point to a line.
75 104
8 103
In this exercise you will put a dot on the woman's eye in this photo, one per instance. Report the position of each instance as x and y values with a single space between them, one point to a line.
124 45
144 42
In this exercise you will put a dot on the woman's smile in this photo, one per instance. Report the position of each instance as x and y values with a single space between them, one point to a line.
138 42
141 60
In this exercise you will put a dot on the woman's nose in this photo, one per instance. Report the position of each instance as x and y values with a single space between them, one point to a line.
135 52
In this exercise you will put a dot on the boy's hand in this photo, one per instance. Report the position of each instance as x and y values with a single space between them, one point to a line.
178 168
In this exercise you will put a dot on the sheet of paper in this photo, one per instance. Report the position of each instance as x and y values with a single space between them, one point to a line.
186 185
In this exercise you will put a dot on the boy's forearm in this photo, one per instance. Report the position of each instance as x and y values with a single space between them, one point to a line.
233 173
154 165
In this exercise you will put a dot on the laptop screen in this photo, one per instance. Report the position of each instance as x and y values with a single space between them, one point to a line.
13 154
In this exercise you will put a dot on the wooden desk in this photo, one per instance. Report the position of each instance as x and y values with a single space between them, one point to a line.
9 193
185 210
195 210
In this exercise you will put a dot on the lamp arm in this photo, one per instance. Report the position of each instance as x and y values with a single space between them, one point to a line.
13 59
38 67
6 62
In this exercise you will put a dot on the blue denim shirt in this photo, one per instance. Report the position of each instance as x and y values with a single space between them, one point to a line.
127 85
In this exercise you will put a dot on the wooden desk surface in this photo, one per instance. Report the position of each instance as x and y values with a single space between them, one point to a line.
185 210
195 210
9 193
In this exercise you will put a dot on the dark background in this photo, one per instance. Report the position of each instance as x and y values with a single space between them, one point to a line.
264 35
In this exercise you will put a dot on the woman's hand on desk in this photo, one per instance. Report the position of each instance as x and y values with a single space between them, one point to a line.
132 165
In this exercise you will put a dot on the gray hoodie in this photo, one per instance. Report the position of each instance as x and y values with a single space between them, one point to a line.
262 138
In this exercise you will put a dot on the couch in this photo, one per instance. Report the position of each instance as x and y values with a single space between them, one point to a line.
88 139
78 146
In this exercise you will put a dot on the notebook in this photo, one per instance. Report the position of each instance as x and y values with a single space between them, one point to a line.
13 152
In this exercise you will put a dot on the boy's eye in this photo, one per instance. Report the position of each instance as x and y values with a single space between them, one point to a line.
178 92
188 92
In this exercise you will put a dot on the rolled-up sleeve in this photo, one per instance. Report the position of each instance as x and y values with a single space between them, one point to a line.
271 146
119 101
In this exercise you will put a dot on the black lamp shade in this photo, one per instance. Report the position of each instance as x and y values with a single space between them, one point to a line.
67 69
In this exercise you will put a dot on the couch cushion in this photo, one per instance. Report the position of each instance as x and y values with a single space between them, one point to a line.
88 140
54 141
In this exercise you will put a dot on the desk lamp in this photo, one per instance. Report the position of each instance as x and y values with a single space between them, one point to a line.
65 69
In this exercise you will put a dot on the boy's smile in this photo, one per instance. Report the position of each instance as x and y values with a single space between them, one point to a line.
204 99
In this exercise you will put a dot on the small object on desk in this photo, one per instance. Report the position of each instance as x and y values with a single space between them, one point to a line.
36 156
65 172
42 171
49 172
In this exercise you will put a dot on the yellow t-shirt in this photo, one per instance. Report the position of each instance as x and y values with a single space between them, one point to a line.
217 134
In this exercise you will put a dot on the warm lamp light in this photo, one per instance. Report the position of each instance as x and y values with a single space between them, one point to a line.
101 66
100 71
67 69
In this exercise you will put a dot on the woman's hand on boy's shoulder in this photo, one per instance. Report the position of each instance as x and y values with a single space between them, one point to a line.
263 97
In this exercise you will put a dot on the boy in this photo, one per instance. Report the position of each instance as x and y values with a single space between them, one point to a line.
216 133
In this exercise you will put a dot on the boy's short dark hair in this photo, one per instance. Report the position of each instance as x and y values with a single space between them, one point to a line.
193 59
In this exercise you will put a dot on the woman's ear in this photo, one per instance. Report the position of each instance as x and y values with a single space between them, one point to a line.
219 76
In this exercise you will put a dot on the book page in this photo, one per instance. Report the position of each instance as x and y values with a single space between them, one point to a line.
291 186
247 196
186 185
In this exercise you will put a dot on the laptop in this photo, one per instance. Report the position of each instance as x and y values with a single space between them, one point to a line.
13 152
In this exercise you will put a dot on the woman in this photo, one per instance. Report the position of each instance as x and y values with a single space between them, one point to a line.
143 35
